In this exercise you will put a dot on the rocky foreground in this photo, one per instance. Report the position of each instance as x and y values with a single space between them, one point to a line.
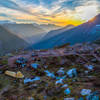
71 73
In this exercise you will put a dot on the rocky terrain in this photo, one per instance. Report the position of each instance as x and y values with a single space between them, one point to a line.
67 73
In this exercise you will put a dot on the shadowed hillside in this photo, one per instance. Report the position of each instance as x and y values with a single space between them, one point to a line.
9 41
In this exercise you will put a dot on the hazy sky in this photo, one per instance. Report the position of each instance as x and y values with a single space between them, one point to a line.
59 12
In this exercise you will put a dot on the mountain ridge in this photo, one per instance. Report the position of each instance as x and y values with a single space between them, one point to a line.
79 34
57 31
25 31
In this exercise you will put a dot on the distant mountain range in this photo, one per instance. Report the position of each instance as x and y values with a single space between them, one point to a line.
49 27
57 31
15 36
7 22
87 32
31 33
10 42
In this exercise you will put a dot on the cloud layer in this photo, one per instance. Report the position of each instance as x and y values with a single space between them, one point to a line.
59 12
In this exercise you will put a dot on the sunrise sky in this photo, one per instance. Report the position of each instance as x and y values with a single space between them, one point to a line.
58 12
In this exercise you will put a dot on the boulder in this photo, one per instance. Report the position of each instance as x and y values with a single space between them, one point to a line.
85 92
72 72
28 80
69 98
67 91
35 65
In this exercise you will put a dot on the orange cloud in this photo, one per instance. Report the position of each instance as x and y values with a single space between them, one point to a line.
56 15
